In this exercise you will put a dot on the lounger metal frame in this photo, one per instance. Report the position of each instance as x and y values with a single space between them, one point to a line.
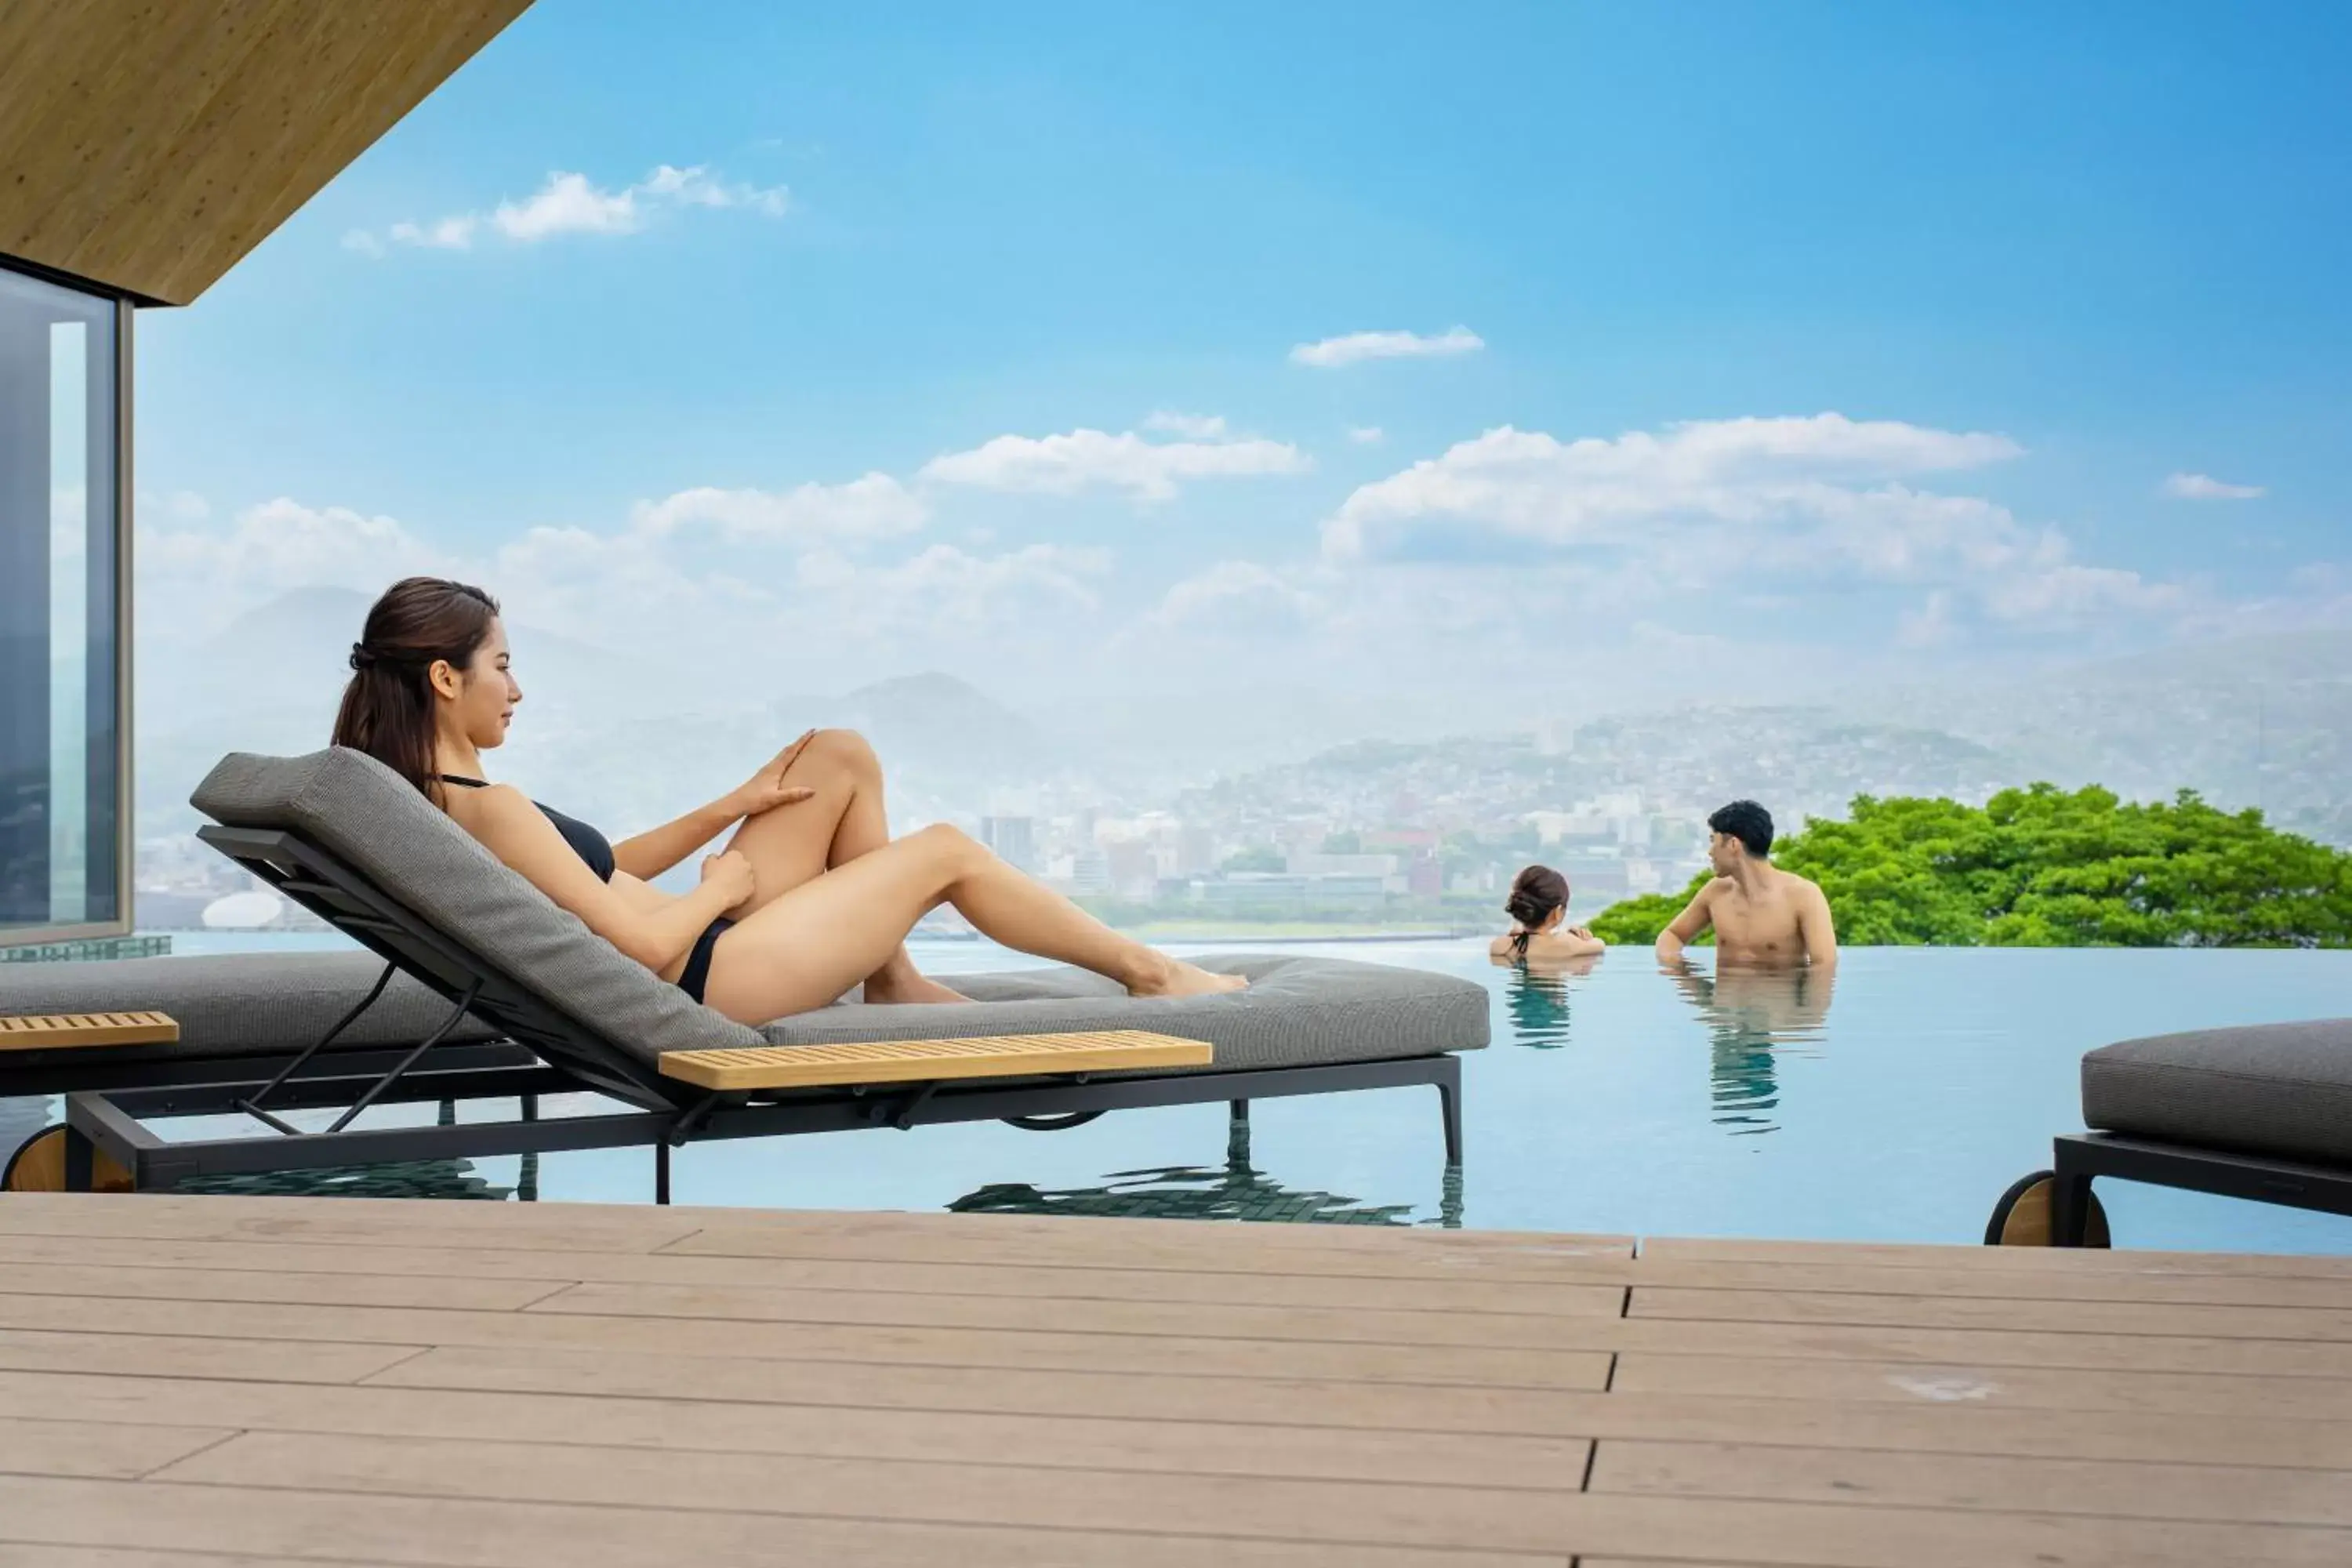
659 1112
2078 1157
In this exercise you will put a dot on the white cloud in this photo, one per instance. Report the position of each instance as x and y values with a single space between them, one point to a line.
270 548
1236 596
1708 506
829 611
1086 459
874 506
1199 426
448 234
1366 434
1356 347
569 204
2204 487
1527 486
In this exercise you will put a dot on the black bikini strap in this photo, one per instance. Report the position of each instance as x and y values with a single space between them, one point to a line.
469 783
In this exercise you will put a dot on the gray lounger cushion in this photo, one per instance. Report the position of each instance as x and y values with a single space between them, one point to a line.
355 806
2269 1089
234 1004
1296 1012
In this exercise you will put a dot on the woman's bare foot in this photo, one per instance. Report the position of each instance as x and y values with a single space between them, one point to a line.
1174 977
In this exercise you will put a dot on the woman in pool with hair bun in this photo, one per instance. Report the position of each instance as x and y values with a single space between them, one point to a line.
1539 930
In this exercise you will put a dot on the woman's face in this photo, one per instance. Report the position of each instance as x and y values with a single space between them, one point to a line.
479 703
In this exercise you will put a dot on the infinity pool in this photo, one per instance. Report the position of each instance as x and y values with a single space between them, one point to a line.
1893 1106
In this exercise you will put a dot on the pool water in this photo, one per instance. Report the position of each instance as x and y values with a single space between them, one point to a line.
1893 1105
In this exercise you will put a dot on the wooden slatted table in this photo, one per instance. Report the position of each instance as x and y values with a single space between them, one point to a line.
916 1062
211 1380
51 1031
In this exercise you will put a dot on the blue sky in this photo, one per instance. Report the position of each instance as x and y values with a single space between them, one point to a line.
2114 238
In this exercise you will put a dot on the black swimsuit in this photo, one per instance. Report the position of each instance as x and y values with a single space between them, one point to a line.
597 850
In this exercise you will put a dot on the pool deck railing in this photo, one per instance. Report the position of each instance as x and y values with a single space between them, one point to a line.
192 1381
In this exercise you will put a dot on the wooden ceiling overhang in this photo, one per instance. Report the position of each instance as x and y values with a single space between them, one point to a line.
146 146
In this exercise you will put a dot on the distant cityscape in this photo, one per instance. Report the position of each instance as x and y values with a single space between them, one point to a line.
1411 834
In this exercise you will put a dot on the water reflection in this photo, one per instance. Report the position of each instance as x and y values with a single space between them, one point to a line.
1536 995
1238 1190
1752 1016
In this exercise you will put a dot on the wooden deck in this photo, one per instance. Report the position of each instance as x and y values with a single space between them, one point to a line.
187 1381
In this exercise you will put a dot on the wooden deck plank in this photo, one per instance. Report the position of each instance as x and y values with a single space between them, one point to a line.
1555 1367
63 1445
2213 1492
886 1345
2155 1393
1927 1311
1396 1251
459 1532
1448 1288
1011 1495
1170 1391
1219 1509
1368 1325
1448 1291
292 1288
1372 1449
166 1216
1960 1278
690 1402
53 1556
227 1357
2055 1260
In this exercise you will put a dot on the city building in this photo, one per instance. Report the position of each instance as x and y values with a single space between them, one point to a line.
1014 838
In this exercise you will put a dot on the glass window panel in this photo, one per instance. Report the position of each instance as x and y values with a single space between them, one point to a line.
61 837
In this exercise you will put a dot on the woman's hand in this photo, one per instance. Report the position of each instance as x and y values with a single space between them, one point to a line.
731 870
766 789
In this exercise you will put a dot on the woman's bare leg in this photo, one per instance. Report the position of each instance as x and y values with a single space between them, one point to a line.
808 945
846 818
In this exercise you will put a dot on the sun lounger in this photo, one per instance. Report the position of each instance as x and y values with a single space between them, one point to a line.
237 1015
2261 1112
342 836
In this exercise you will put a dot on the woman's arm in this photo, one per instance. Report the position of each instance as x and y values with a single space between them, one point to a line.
511 827
657 849
651 853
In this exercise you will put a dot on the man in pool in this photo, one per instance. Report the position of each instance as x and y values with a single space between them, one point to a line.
1763 917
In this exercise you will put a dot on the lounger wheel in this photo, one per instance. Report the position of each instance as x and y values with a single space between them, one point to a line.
38 1166
2022 1218
1052 1123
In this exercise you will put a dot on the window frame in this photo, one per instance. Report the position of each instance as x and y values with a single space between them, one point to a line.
125 795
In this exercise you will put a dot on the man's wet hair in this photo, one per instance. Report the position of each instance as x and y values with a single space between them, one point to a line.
1748 822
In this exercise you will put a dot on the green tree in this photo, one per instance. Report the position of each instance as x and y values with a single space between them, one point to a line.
2042 867
1636 921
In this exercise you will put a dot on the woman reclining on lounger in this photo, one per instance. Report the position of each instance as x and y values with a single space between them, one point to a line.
811 896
